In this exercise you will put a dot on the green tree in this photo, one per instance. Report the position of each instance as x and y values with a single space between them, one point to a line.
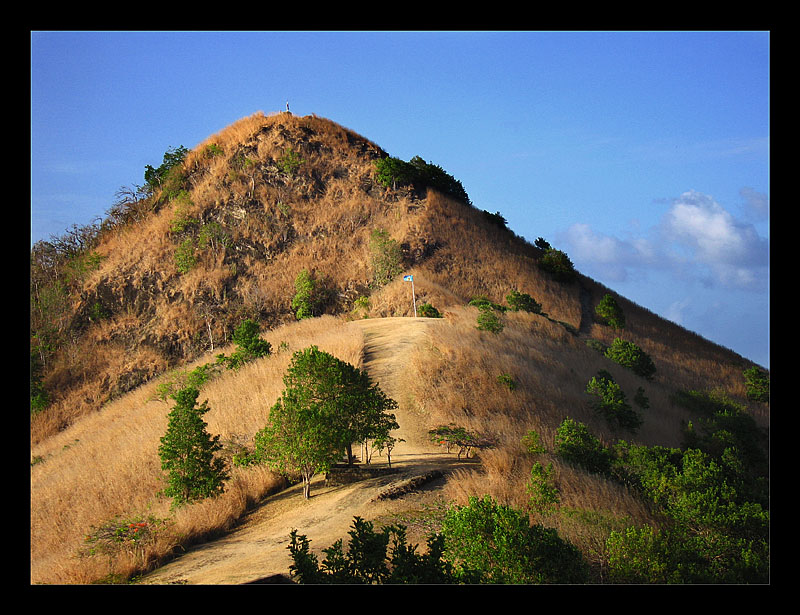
387 257
492 543
629 355
610 312
326 405
714 532
168 175
393 172
187 452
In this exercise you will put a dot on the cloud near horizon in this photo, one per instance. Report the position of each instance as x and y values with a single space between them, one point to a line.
696 238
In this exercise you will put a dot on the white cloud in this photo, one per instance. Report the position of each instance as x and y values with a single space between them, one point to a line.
696 237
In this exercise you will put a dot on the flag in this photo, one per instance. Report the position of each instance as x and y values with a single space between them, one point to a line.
408 278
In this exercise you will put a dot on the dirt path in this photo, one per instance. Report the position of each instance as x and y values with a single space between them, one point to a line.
257 549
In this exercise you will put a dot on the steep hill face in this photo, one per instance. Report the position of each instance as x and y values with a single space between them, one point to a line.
252 207
259 202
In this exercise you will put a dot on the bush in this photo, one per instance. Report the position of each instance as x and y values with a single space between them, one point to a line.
453 435
428 311
366 560
393 172
558 265
611 403
757 383
168 176
488 321
491 543
290 162
518 301
609 311
508 381
576 444
304 301
185 258
387 257
629 355
250 346
482 302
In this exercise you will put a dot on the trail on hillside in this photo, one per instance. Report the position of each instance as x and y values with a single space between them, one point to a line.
257 548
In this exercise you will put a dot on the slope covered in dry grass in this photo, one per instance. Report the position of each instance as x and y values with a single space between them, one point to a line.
94 450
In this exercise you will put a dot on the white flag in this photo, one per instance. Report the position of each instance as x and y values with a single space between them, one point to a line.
408 278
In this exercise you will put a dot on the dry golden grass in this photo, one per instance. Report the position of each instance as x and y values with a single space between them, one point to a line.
107 464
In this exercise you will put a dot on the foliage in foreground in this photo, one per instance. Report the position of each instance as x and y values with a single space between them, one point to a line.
366 561
712 498
483 542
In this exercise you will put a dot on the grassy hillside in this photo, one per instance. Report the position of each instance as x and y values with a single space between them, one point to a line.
164 281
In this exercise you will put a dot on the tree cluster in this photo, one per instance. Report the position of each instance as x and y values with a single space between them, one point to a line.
393 172
326 405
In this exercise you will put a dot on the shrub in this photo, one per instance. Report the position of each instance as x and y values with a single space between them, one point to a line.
454 435
629 355
757 383
393 172
250 346
611 403
366 560
387 257
543 492
508 381
558 265
303 302
168 176
488 321
496 219
428 311
610 312
482 302
576 444
532 443
290 162
492 543
185 258
518 301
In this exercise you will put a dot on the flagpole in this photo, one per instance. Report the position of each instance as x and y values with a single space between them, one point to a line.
413 296
410 278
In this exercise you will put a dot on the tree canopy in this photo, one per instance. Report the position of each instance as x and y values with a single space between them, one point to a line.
326 405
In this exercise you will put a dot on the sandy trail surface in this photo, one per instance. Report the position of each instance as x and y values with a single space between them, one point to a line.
256 550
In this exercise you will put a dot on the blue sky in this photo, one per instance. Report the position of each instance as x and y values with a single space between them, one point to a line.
643 155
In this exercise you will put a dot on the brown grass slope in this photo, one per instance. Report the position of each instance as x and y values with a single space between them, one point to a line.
96 445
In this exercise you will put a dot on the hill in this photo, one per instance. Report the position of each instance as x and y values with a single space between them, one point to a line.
223 236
